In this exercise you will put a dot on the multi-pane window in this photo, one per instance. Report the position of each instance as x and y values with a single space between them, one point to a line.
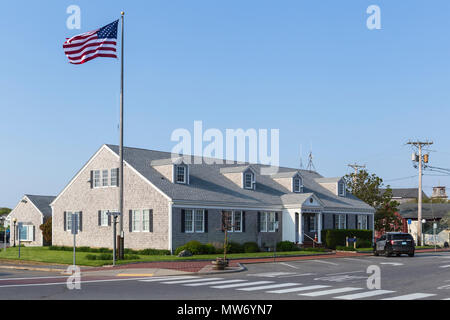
146 220
114 178
362 221
233 220
69 220
96 178
297 185
340 221
312 223
267 222
248 180
104 218
181 174
341 188
26 233
194 220
104 178
136 221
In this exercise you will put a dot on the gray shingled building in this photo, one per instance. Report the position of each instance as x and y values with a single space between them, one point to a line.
168 203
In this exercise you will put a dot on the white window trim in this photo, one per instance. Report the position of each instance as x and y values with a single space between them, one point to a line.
252 184
133 224
111 177
103 214
192 221
233 212
300 185
27 226
68 219
142 222
195 221
339 191
338 221
267 214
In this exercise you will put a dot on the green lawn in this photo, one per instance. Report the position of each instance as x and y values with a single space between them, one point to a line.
43 254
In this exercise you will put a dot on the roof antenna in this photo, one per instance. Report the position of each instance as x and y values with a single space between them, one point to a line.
301 161
310 166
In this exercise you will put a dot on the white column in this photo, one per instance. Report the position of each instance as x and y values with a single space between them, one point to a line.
319 235
300 226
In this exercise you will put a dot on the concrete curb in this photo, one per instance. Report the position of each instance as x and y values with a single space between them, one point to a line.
33 268
241 268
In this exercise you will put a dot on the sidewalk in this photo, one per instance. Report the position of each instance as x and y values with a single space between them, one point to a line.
177 267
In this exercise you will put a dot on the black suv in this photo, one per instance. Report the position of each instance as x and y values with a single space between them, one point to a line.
394 243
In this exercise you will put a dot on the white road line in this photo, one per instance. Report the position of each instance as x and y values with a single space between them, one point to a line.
447 266
412 296
270 286
236 285
392 263
340 273
326 262
298 289
169 278
446 299
326 292
190 280
30 278
65 283
212 282
358 260
366 294
288 265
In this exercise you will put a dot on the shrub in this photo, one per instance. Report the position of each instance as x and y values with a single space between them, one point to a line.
363 244
336 237
91 257
105 256
250 247
209 249
149 252
287 246
234 247
130 257
344 248
46 229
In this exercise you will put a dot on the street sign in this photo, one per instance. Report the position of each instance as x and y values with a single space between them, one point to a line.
74 218
409 221
435 225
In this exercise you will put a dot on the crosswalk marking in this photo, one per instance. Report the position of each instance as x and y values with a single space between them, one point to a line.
366 294
446 299
326 292
447 266
236 285
212 282
412 296
270 286
298 289
168 278
191 280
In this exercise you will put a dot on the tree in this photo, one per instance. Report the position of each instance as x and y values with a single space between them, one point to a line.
366 187
46 228
4 211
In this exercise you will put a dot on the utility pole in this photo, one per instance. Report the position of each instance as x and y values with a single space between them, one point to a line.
419 145
356 167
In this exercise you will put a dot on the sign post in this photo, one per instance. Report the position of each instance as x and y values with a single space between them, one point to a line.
115 215
19 227
74 230
434 234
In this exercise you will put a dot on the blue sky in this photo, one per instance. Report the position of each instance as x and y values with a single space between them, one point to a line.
309 68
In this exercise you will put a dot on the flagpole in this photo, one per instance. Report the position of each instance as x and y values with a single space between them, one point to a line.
121 243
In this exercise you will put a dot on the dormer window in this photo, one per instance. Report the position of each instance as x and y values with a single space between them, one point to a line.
341 189
180 174
248 180
297 184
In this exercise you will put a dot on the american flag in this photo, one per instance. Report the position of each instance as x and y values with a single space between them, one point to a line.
90 45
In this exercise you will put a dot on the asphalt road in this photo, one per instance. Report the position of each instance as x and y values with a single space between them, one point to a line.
423 277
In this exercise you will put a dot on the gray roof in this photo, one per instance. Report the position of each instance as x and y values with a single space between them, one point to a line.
328 180
405 193
287 174
208 185
42 203
429 210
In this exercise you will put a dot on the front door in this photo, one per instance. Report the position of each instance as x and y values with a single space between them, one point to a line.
310 225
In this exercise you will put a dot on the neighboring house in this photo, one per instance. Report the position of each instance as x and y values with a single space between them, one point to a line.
431 212
403 195
31 211
167 204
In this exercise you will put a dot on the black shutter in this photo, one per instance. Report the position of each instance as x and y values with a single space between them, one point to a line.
34 233
368 216
80 221
130 220
183 213
276 220
346 221
109 220
222 222
206 221
65 220
92 179
334 221
151 220
99 218
258 222
243 221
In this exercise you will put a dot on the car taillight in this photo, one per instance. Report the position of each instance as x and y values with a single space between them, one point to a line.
392 241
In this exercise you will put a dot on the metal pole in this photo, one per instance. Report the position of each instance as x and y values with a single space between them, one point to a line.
19 240
114 240
121 140
74 244
15 234
419 204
